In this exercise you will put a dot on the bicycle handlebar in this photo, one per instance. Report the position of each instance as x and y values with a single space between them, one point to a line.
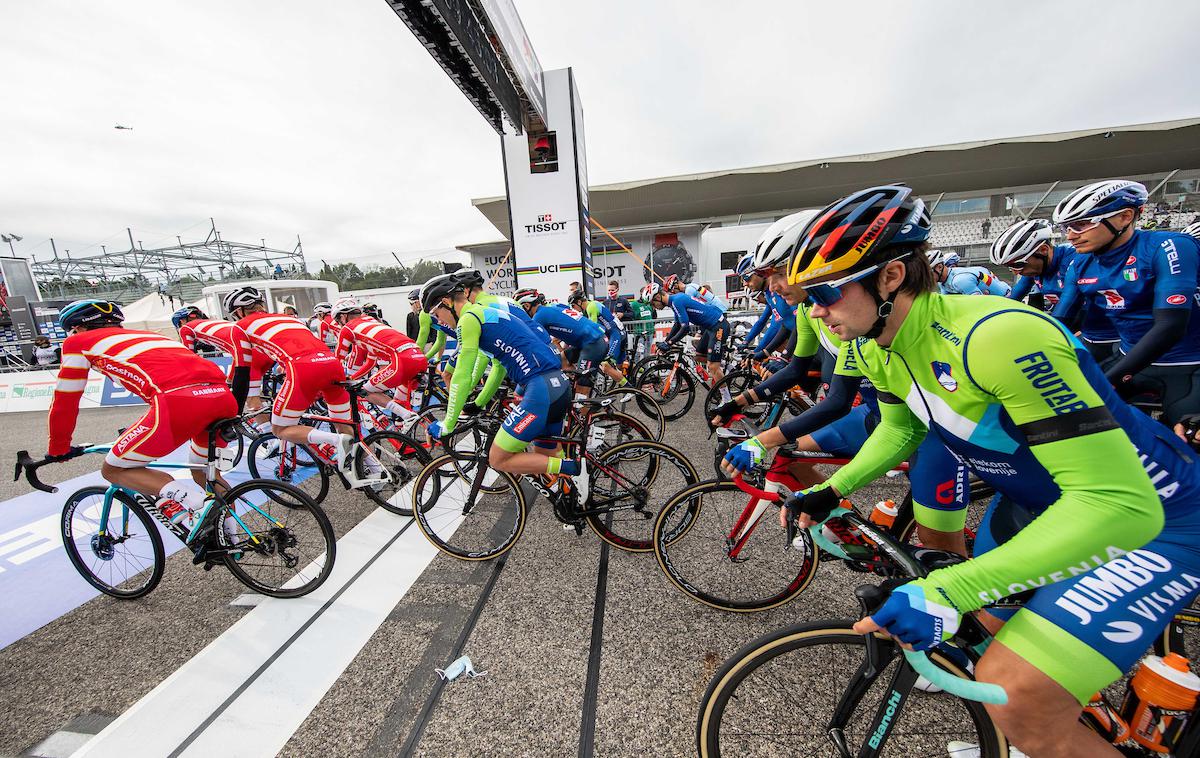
26 463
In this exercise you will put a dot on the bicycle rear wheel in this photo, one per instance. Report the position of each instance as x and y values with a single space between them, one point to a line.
123 556
273 459
672 387
630 482
285 541
716 552
645 409
401 458
470 528
777 697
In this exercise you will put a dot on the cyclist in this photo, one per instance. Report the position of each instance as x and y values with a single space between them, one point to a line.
545 391
641 330
321 323
569 327
374 311
1019 399
1193 230
186 395
673 284
600 315
310 371
1027 249
1146 281
195 329
964 280
370 344
690 310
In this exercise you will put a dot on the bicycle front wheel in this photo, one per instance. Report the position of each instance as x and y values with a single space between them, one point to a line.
781 695
122 556
719 550
273 459
630 483
397 456
280 542
645 409
671 386
470 527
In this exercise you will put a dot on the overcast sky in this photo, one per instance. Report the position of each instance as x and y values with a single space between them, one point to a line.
326 119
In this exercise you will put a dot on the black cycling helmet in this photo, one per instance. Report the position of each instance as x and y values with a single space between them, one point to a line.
469 277
414 295
443 285
91 311
578 296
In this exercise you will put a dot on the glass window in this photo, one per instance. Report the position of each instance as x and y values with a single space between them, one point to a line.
729 260
952 206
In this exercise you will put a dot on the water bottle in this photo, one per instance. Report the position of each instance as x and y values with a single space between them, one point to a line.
884 514
1159 700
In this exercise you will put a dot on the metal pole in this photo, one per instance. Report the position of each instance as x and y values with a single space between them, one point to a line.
933 207
1041 200
1157 187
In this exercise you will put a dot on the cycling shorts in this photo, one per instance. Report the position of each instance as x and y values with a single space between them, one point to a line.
712 341
616 347
590 356
941 486
844 437
405 366
174 418
543 405
306 379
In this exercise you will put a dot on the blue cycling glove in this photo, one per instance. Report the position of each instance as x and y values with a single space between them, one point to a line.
747 455
435 430
919 614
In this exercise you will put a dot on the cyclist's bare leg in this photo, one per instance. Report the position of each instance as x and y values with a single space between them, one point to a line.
1041 717
612 372
954 542
146 481
518 463
715 372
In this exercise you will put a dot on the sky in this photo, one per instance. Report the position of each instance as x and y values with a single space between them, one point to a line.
329 122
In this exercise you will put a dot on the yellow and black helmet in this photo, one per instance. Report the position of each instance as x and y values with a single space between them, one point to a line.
856 233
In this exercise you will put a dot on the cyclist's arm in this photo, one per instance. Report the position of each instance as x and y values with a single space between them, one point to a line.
593 311
360 363
342 347
838 401
439 344
783 379
481 364
187 335
1021 287
895 439
424 323
966 283
680 328
764 318
494 380
778 341
1107 501
64 406
461 384
1068 309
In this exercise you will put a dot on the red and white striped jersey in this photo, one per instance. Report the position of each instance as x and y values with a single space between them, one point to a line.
221 335
328 329
372 343
145 363
279 338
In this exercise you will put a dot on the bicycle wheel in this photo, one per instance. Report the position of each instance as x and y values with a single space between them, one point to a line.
630 483
475 528
401 459
283 544
777 696
717 550
615 428
736 382
122 557
672 388
645 409
282 461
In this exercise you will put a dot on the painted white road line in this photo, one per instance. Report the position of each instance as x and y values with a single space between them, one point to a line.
252 687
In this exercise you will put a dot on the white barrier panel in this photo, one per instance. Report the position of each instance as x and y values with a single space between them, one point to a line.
33 390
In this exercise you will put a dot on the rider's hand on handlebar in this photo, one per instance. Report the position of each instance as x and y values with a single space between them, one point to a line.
1187 428
810 506
471 408
724 413
74 452
916 613
434 430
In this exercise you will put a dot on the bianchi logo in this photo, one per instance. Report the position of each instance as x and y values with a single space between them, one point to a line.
1122 632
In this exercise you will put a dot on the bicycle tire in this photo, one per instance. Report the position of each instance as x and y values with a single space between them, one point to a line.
496 523
691 545
629 526
723 702
655 419
275 537
291 463
393 449
676 400
736 381
98 548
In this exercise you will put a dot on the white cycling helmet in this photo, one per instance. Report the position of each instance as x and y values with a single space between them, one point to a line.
1019 241
649 291
770 250
1193 230
1100 199
241 298
947 259
344 305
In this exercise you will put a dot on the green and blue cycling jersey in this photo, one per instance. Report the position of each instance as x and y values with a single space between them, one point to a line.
973 280
1114 549
427 324
604 318
514 309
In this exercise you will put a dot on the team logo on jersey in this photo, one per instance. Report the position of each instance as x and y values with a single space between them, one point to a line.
1051 301
1176 299
1130 274
941 372
1131 260
1088 280
1113 300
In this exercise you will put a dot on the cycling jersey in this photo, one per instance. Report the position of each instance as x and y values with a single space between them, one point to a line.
327 330
220 335
704 292
693 310
777 314
1152 271
514 309
603 317
567 325
1050 282
280 338
148 365
1020 401
973 280
642 312
1096 326
369 343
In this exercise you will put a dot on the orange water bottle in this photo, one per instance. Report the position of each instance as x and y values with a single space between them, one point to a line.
884 514
1160 698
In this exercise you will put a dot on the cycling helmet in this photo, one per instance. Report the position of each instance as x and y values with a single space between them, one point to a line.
243 297
578 296
322 308
857 233
432 292
184 313
745 267
373 310
1100 199
91 312
669 282
1018 242
469 277
345 305
767 252
1193 230
414 295
946 258
650 290
529 296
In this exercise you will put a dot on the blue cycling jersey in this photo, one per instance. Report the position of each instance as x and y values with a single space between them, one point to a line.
710 297
511 306
567 324
1051 281
1154 270
785 311
692 310
504 337
1096 325
973 280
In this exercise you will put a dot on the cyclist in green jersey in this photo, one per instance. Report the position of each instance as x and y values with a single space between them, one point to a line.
1022 403
642 328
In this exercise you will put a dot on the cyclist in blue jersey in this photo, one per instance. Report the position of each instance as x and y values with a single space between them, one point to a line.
673 284
599 314
571 329
690 311
1027 249
964 280
545 392
1146 282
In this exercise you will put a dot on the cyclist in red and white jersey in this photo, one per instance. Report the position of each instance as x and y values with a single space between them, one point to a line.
369 343
310 371
322 324
197 329
186 395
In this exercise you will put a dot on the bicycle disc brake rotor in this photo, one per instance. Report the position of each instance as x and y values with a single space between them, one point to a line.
102 547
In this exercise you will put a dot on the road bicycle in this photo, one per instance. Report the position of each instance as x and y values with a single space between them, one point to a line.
281 544
481 513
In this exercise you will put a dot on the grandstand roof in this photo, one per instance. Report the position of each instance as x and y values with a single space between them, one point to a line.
964 167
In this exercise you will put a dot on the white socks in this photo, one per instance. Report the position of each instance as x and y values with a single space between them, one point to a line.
321 437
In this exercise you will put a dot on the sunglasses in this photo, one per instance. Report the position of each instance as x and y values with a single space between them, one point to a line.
1086 224
831 292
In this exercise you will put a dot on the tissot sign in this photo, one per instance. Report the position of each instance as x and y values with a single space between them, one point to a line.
548 210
